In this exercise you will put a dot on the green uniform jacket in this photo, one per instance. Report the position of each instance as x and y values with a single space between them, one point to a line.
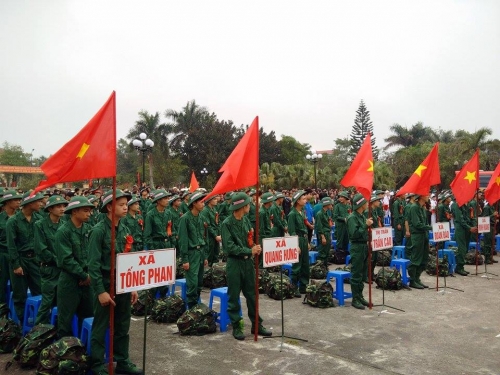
136 227
144 205
459 218
155 230
20 237
100 252
184 207
191 235
211 217
340 213
357 228
472 214
297 227
45 237
72 247
322 225
235 237
398 213
3 232
279 223
264 223
175 216
417 220
251 214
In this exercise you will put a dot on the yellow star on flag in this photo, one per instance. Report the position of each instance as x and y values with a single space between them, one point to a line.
370 169
497 181
83 150
471 176
419 170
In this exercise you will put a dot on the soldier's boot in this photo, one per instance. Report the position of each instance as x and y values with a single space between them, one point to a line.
420 270
412 271
356 303
261 331
238 330
297 291
128 368
363 301
460 270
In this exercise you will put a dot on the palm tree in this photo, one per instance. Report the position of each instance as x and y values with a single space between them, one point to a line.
471 141
405 137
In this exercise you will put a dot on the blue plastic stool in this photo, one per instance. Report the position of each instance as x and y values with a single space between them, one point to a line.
314 241
474 246
452 262
287 266
169 293
12 313
404 241
74 323
387 221
402 266
86 335
222 316
431 235
182 284
347 260
497 239
30 312
339 293
334 244
313 256
7 293
398 252
449 244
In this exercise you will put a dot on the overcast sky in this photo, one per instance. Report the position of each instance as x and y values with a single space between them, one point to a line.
301 66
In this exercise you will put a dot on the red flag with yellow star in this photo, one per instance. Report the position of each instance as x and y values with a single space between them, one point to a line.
194 183
360 173
492 192
88 155
426 175
466 182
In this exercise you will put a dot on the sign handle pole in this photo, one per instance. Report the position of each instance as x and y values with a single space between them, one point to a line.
145 330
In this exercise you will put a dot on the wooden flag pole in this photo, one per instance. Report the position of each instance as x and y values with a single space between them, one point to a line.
370 304
256 322
112 281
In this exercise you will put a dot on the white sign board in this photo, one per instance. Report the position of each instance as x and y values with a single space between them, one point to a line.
144 270
483 224
441 232
381 238
280 250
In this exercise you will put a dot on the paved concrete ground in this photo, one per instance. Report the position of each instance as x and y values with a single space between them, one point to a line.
448 332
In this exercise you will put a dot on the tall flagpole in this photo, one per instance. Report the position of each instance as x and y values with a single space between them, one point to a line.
370 258
256 322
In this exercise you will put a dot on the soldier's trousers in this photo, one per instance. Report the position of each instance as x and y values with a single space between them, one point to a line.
194 276
359 265
72 299
420 249
213 252
398 235
324 250
301 271
487 242
341 235
121 329
20 284
50 279
4 276
463 245
240 277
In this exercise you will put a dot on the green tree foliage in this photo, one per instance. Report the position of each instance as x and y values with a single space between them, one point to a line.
126 162
362 126
14 155
417 134
292 151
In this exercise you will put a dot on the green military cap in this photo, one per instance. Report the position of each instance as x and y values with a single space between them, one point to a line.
47 193
158 194
1 191
10 195
196 197
227 196
55 200
173 198
358 201
409 195
133 200
77 202
239 200
108 197
279 195
28 198
326 201
251 192
267 197
378 192
210 198
343 194
374 198
91 198
297 195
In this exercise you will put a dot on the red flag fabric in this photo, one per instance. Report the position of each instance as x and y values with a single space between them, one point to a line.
466 182
241 168
426 175
88 155
360 173
492 192
193 185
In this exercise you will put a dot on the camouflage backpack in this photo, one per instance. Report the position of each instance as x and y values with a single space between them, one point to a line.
264 278
179 271
4 310
10 335
347 268
145 297
389 278
470 258
198 320
28 350
331 256
339 256
443 267
278 290
319 294
384 258
168 309
318 270
64 357
215 277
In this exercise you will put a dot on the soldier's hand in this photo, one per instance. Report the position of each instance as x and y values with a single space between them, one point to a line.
205 263
105 299
256 249
399 226
407 234
323 240
473 230
369 222
134 297
218 238
85 282
19 271
185 266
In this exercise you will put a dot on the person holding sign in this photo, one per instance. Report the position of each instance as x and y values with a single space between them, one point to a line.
297 227
419 229
463 230
99 270
323 227
357 227
238 243
192 246
376 203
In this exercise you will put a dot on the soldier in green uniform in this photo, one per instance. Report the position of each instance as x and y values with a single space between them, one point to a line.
24 269
419 229
378 222
135 223
223 207
94 215
265 219
174 204
240 247
297 227
489 211
10 204
408 246
323 228
72 249
280 225
185 200
211 217
357 227
398 220
443 211
340 213
463 230
45 237
192 247
145 202
100 274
